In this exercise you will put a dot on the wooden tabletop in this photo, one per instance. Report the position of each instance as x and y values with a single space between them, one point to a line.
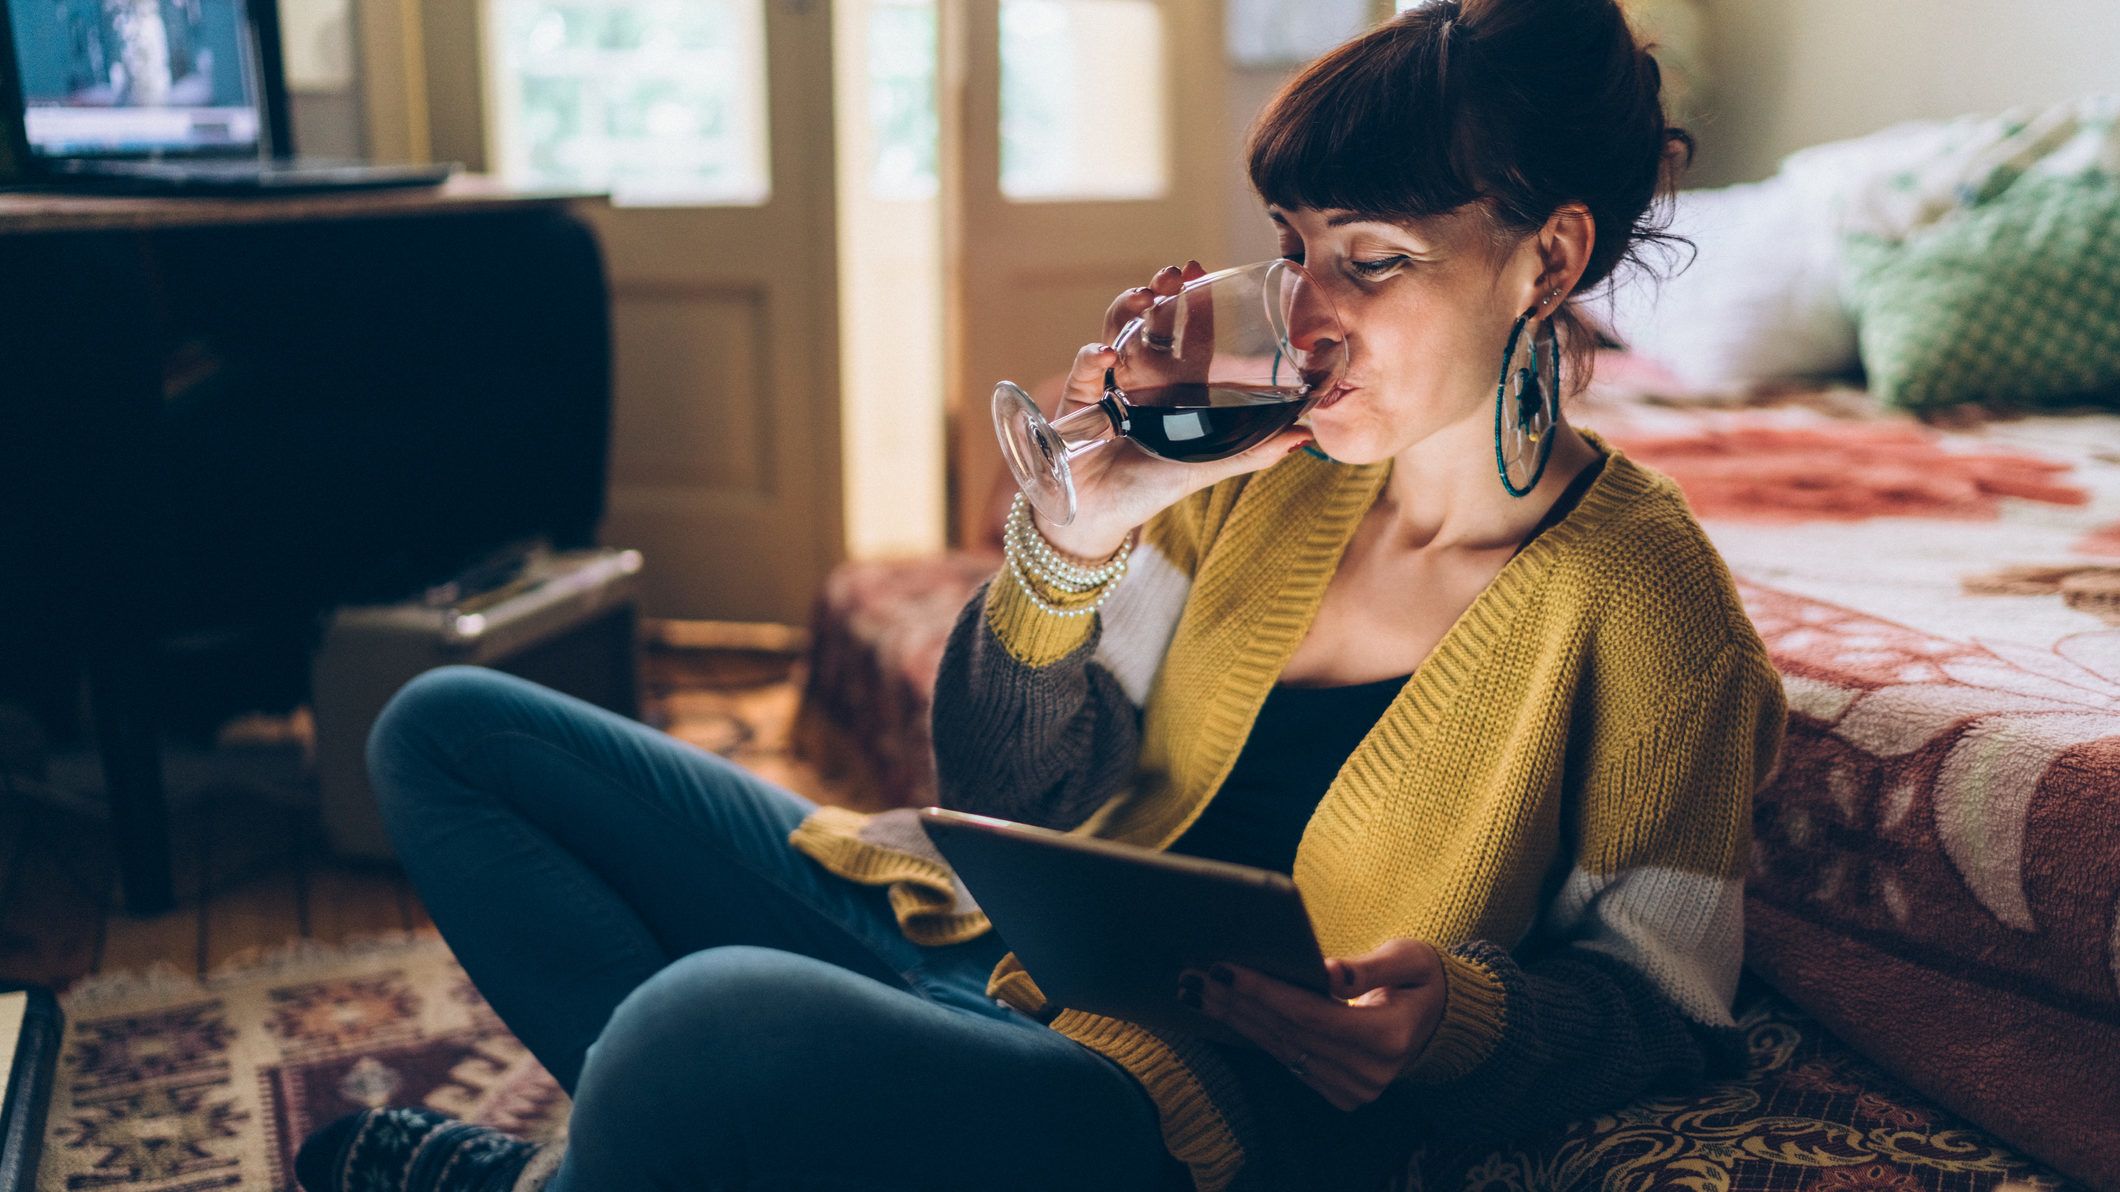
51 211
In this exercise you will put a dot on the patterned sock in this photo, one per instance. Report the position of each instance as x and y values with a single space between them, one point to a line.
410 1150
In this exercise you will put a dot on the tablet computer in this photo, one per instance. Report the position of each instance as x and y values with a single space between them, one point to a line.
1106 927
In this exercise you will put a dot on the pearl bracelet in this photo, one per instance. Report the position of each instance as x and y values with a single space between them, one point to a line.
1022 546
1022 535
1030 593
1019 519
1028 555
1056 584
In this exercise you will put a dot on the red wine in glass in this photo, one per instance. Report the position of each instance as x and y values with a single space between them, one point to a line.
1195 423
1203 374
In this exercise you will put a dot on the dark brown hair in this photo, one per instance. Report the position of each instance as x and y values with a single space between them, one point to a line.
1522 106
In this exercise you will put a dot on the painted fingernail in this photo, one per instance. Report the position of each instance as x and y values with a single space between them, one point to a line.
1222 974
1190 998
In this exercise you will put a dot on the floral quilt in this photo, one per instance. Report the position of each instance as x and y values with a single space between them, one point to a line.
1936 869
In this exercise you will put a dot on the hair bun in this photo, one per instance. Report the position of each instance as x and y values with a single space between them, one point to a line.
1525 106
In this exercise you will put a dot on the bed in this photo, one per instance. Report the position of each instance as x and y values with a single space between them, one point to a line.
1936 862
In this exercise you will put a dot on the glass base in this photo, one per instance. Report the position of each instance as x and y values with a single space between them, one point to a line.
1035 453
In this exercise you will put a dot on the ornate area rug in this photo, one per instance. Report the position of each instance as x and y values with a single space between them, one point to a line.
172 1084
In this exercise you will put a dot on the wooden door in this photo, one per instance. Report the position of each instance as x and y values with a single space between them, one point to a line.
710 121
1081 151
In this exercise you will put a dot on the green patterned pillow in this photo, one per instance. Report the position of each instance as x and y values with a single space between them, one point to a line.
2013 302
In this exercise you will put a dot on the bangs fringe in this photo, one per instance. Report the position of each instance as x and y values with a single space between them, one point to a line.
1354 131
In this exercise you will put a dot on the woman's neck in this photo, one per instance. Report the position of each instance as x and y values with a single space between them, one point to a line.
1443 493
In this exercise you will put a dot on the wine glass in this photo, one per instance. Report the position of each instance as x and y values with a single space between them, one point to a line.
1217 368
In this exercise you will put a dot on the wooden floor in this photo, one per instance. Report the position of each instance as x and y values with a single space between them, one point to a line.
250 872
251 868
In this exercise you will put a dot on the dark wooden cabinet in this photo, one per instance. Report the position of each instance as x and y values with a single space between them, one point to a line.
220 414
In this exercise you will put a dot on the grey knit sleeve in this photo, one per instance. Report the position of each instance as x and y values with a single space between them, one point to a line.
1585 1034
1043 745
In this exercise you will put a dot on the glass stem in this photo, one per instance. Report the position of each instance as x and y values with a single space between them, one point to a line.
1084 427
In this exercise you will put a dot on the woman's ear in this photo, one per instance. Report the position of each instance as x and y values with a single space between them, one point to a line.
1564 245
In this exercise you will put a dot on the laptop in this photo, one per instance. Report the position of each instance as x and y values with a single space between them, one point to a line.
160 97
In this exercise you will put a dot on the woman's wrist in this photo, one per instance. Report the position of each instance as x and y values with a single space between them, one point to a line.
1053 582
1080 543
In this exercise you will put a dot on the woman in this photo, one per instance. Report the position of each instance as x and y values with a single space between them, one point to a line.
1474 677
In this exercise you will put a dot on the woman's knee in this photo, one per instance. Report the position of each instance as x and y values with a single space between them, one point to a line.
737 1021
429 720
755 1063
689 1068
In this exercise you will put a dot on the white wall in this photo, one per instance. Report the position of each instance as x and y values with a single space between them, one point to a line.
1783 74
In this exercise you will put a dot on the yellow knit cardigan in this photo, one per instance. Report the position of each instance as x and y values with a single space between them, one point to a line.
1575 759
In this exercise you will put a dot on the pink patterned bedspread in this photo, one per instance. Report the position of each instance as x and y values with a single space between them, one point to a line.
1936 873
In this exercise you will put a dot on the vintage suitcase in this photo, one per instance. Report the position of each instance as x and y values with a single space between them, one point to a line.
568 620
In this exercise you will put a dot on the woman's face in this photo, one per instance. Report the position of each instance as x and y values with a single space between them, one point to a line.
1427 307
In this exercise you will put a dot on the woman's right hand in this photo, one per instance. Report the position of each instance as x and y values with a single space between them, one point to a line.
1119 487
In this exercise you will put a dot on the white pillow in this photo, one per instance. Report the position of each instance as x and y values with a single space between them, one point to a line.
1759 303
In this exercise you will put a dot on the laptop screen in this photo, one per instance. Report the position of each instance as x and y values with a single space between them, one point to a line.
134 77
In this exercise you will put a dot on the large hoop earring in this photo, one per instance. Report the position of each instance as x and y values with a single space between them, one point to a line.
1527 403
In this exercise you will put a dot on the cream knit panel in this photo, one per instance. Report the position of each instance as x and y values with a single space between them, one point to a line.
1664 827
1684 931
1139 619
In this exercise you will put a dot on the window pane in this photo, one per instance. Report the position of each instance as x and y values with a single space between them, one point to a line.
1067 132
902 121
657 101
1275 33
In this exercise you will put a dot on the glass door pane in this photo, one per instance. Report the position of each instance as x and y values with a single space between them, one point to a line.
1070 128
658 101
901 99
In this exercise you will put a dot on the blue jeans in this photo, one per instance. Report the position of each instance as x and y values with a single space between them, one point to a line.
725 1013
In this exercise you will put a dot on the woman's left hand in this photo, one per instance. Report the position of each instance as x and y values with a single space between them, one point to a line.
1349 1047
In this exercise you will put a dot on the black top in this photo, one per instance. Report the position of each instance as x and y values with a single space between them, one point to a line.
1299 742
1301 738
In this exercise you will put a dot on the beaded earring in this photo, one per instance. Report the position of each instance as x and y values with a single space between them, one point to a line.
1527 401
